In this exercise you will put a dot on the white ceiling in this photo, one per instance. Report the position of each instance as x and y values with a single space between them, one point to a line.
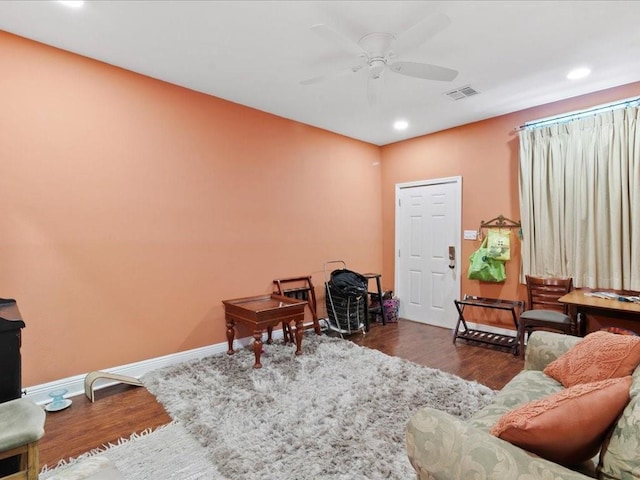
256 53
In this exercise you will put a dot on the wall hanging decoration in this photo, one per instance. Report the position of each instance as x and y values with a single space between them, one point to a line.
485 268
498 243
501 223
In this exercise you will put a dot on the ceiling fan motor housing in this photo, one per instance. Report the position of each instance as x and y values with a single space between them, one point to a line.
376 45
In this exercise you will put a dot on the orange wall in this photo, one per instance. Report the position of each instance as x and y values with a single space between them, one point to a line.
132 207
485 154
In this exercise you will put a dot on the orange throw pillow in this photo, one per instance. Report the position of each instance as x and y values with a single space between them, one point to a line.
567 427
599 356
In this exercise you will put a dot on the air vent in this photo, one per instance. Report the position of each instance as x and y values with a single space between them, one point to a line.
462 92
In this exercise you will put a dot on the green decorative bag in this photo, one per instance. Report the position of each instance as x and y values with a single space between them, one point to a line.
485 268
498 243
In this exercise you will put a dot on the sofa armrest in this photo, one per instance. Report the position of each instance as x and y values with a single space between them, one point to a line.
443 447
544 347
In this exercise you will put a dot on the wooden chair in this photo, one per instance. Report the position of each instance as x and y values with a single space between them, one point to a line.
22 427
544 311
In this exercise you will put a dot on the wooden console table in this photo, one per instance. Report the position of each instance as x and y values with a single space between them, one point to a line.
581 305
506 341
262 312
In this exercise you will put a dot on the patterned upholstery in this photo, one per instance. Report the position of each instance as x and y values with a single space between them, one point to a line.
441 446
621 454
21 428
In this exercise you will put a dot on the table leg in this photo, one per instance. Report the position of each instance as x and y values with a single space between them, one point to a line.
367 322
230 334
573 312
314 316
316 326
299 332
581 324
257 347
270 335
384 317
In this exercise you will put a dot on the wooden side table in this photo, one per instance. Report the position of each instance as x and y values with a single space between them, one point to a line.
377 276
262 312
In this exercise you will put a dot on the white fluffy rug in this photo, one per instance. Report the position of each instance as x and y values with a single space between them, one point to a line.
336 412
168 453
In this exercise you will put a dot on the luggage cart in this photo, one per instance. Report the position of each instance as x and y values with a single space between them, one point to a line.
346 300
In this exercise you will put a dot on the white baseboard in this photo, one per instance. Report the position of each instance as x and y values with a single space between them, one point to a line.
75 385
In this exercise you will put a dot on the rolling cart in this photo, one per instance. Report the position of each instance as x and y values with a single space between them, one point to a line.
346 299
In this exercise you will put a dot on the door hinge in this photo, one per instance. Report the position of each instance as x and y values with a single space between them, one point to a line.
399 202
398 253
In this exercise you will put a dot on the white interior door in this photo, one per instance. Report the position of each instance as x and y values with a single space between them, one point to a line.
428 222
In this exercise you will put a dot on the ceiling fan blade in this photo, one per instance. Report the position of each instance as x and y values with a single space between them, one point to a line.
314 80
424 70
420 32
337 38
330 76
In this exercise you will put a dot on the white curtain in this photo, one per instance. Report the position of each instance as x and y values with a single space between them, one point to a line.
580 200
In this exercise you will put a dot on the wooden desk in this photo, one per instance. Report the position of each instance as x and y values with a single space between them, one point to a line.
261 312
583 305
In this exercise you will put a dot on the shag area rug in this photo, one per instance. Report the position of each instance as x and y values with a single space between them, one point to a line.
338 411
167 453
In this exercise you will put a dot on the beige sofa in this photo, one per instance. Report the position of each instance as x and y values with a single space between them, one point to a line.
441 446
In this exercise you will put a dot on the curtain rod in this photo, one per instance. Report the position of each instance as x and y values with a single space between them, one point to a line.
582 113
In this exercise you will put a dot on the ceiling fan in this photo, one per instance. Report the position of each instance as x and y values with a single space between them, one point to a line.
376 54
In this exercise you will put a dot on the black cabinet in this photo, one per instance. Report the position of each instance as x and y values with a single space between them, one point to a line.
11 326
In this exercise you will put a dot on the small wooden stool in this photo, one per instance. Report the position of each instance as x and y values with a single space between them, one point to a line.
22 427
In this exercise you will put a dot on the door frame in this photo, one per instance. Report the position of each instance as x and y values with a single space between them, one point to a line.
457 181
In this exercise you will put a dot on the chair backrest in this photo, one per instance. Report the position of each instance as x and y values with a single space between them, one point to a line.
300 288
543 293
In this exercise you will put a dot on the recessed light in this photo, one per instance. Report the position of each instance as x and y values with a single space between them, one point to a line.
401 125
578 73
72 3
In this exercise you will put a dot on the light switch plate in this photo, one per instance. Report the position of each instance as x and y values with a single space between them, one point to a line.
470 235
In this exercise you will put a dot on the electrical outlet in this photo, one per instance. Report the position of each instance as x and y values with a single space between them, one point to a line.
470 235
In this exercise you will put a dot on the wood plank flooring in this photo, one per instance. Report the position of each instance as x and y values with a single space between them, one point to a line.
122 410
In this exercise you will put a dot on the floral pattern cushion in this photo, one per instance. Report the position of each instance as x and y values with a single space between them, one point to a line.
527 386
545 347
620 456
441 447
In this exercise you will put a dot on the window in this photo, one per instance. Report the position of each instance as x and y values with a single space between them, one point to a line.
580 197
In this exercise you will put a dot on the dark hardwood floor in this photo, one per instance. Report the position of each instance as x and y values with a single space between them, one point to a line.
122 410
